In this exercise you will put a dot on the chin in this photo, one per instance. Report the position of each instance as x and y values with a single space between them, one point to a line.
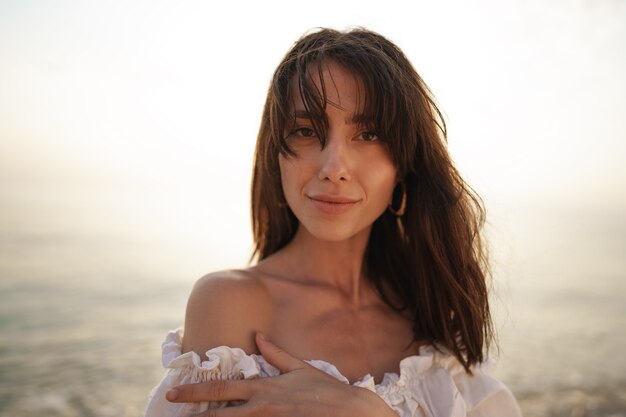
334 233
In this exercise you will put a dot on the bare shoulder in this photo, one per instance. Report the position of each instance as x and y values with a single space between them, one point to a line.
226 308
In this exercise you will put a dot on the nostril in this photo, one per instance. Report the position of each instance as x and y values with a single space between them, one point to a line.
334 162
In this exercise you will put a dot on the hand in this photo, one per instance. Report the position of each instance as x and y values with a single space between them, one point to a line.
301 390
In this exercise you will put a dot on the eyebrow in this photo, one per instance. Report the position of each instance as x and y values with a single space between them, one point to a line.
357 119
302 114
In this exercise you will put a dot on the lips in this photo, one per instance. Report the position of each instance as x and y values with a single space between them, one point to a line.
332 204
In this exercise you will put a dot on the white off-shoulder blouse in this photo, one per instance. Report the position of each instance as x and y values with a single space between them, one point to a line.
431 384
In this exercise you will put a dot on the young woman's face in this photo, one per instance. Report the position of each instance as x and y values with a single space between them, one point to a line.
338 191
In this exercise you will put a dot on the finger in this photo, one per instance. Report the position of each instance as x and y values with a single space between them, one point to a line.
282 360
220 390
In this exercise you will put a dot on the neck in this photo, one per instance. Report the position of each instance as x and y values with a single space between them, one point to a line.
335 264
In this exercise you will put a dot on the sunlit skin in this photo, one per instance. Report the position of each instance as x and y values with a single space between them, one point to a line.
311 298
337 191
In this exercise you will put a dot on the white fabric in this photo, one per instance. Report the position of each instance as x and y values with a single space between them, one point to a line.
431 384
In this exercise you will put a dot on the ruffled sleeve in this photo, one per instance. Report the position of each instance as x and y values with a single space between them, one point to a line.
185 368
431 384
434 384
484 395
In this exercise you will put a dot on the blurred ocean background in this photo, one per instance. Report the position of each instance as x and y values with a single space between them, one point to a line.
126 139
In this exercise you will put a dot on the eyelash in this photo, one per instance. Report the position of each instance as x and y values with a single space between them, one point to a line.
307 132
299 132
369 132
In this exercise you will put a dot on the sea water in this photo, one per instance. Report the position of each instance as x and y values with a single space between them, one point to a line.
83 311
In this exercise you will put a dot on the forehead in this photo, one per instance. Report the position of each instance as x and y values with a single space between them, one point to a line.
330 84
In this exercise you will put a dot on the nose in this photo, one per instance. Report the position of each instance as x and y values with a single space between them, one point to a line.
334 158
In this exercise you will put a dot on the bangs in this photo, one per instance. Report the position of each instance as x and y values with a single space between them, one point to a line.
376 103
392 99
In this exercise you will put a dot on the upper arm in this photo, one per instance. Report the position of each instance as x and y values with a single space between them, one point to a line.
226 308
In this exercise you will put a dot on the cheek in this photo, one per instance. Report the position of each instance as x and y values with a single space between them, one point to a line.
384 179
289 175
381 170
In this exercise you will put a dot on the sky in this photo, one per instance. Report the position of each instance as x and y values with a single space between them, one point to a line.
148 110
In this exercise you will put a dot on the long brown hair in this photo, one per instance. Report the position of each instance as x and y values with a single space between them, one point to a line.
431 258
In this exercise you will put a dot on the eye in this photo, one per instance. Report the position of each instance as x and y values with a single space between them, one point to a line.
368 136
305 132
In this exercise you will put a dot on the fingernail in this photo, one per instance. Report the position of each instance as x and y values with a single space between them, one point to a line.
172 394
262 337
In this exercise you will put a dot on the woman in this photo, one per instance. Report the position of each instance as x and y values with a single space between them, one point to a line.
369 258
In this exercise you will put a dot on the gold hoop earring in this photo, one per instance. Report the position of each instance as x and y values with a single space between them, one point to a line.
400 210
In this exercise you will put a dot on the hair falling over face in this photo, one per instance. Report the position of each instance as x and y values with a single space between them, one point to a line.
432 258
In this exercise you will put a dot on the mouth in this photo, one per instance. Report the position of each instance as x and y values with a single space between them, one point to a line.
332 204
